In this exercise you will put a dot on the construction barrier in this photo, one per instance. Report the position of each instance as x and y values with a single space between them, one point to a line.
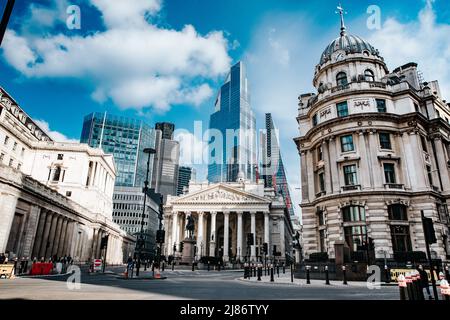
7 271
40 268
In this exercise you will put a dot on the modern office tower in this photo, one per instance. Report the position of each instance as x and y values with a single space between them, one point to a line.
124 138
232 143
185 175
165 168
272 167
128 207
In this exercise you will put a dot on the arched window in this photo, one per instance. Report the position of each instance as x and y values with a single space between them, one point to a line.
341 79
369 75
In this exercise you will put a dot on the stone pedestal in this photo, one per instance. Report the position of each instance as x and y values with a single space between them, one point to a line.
188 251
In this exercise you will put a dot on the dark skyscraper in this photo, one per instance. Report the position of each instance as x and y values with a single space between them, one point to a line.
273 171
232 144
185 175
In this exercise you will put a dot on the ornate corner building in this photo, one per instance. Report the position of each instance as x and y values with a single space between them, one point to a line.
374 148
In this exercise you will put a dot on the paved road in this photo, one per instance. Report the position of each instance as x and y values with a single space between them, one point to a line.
185 284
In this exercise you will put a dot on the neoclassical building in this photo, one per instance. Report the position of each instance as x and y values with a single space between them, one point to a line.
224 215
55 198
374 148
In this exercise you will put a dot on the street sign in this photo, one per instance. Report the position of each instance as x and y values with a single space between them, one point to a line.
97 264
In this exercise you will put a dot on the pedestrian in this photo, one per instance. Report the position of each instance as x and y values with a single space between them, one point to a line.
424 283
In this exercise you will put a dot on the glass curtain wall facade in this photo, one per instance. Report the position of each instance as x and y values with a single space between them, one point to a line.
273 171
124 138
232 144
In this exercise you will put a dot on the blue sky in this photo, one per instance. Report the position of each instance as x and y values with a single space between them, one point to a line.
160 70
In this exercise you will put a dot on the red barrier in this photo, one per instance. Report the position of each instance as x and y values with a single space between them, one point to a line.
41 268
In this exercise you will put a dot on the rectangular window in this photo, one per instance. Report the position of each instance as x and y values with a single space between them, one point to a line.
322 240
11 162
381 105
5 142
385 140
397 212
321 217
322 182
389 173
423 141
347 143
342 109
14 146
430 176
60 156
356 237
350 176
401 241
354 214
2 156
319 153
314 120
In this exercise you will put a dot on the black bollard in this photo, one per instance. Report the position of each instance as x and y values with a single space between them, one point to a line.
173 265
259 273
308 279
218 267
344 273
388 274
271 274
163 266
254 270
245 271
327 276
208 266
278 270
193 266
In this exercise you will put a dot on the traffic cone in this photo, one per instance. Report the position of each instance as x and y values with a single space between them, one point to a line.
157 274
126 273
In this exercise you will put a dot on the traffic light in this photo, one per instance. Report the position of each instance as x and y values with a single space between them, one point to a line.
265 248
160 235
250 239
428 230
104 242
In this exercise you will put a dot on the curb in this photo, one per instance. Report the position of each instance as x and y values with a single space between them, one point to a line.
141 278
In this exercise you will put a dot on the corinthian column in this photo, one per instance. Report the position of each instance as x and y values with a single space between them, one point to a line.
175 227
212 243
226 235
253 231
200 235
239 235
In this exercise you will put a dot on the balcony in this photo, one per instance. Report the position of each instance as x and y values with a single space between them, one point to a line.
351 188
394 186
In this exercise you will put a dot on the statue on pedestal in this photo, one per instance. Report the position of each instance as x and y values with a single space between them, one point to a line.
190 226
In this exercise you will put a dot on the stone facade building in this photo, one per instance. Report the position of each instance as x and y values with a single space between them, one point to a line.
55 198
375 150
224 214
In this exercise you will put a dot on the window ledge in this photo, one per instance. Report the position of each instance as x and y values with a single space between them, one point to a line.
394 186
351 187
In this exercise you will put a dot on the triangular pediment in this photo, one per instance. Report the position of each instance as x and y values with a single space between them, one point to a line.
220 193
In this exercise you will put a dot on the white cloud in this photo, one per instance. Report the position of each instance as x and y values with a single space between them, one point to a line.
424 41
55 135
136 65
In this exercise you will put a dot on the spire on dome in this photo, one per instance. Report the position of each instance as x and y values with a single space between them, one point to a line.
342 12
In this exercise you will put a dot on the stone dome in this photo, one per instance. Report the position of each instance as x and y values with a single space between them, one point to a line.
350 44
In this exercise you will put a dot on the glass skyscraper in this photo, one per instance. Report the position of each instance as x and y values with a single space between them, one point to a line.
273 171
232 142
124 138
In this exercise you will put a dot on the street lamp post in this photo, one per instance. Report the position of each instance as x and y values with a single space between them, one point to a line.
140 242
5 19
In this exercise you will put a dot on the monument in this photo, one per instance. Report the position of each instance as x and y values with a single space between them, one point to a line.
189 242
